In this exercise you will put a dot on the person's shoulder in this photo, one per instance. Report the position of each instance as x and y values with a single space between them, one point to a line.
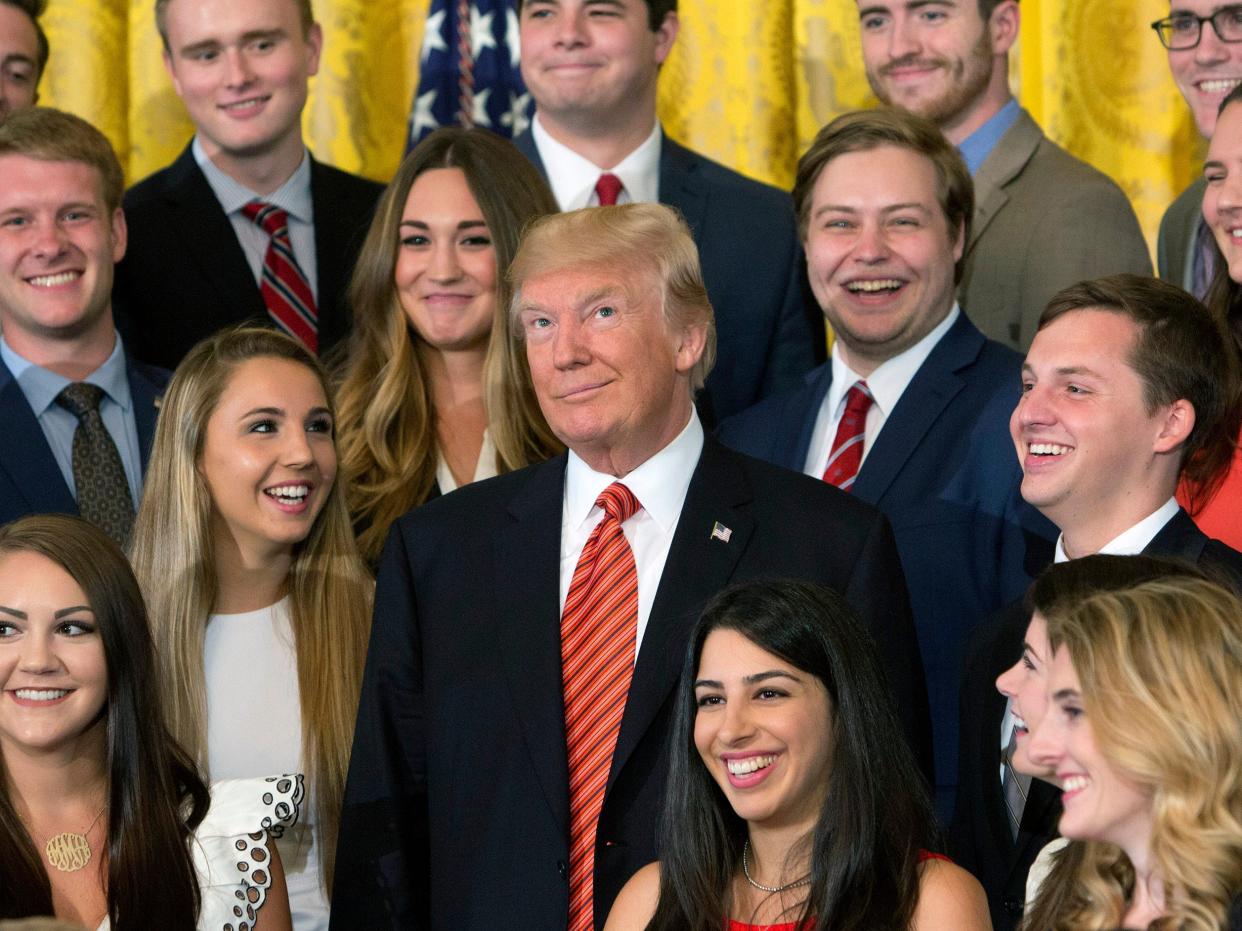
479 501
737 184
800 498
1070 178
347 182
155 185
949 897
636 903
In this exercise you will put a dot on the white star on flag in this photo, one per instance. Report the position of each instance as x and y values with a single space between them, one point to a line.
433 38
516 118
423 118
480 116
513 38
480 32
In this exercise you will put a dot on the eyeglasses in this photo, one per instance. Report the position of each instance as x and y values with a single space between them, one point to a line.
1183 30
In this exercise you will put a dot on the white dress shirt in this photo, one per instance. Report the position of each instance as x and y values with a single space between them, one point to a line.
886 384
572 177
660 485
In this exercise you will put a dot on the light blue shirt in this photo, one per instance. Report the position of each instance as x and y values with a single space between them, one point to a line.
293 197
976 147
116 407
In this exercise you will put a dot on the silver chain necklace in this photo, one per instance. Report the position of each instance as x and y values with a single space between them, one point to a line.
804 881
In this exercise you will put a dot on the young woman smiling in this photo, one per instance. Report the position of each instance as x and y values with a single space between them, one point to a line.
793 800
260 602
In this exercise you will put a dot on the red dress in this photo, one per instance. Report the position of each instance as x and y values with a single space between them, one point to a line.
734 925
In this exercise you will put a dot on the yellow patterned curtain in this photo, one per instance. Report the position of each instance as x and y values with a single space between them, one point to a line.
749 83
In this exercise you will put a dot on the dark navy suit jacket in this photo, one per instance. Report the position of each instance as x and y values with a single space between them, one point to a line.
30 480
944 472
185 276
980 837
767 333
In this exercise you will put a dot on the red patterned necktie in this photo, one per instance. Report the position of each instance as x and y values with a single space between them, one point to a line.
847 448
608 188
285 289
599 630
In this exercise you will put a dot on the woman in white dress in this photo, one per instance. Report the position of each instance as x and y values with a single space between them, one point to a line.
103 820
260 604
435 392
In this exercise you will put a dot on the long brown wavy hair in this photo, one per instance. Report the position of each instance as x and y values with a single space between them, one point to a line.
387 414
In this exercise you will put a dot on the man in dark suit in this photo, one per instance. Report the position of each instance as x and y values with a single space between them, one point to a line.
1127 390
198 259
593 79
884 206
949 62
466 806
1205 58
23 54
76 412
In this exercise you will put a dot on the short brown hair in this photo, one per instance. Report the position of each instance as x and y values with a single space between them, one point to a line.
55 136
647 239
864 130
1182 352
305 12
656 10
34 9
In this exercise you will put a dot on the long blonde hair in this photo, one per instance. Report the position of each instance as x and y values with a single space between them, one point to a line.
387 414
330 590
1160 667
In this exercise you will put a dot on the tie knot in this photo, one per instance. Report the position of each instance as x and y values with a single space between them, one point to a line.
858 399
270 217
80 398
608 188
618 502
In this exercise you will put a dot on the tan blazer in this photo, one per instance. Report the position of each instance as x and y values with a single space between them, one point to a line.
1043 220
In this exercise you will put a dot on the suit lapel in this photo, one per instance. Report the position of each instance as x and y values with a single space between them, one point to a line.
934 385
25 455
208 240
525 143
1179 538
679 185
698 566
1007 160
797 437
332 242
146 396
527 590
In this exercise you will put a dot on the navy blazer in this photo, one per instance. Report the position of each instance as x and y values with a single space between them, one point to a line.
30 480
184 275
767 333
980 838
944 472
457 807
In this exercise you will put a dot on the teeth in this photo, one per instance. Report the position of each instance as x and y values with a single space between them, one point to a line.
884 284
1019 723
1235 233
1048 449
41 694
244 104
1219 85
1074 783
51 281
289 493
750 765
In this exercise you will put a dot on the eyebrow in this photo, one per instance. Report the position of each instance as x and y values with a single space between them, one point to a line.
909 5
1063 694
63 612
750 680
889 208
463 225
1064 370
280 412
14 57
252 36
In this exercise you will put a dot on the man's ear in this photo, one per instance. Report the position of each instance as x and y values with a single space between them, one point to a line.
1003 26
666 35
1177 423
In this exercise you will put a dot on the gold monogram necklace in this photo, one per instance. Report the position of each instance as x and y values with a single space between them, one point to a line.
69 851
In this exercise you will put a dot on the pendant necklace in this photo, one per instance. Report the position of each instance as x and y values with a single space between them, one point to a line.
69 851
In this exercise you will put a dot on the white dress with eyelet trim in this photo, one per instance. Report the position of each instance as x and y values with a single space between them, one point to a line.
229 848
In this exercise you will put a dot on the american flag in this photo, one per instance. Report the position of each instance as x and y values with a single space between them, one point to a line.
468 70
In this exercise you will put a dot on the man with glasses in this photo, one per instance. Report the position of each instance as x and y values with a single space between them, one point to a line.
1204 41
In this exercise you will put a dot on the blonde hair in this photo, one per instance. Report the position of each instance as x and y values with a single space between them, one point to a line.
330 590
1160 668
640 239
387 413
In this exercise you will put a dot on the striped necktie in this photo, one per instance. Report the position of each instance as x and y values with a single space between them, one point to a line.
599 632
847 448
286 292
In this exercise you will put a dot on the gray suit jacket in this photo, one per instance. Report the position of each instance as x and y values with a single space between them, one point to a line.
1043 220
1179 228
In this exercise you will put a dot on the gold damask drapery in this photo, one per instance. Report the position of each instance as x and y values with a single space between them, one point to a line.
749 83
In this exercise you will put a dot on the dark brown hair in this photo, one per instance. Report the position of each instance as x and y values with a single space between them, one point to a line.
34 9
656 10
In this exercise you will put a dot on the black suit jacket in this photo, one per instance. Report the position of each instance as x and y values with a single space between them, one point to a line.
30 480
185 276
457 807
979 834
767 334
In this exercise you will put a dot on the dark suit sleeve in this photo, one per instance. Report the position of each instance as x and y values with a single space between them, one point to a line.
382 850
877 591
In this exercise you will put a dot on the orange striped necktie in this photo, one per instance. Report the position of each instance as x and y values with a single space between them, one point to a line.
599 631
284 287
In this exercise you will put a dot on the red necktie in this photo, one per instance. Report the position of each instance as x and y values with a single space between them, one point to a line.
847 448
599 630
285 289
608 188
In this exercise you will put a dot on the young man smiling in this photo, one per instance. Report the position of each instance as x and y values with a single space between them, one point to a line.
948 60
204 250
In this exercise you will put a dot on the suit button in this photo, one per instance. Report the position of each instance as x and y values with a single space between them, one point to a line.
562 868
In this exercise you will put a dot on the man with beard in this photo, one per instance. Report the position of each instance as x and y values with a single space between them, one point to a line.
1043 219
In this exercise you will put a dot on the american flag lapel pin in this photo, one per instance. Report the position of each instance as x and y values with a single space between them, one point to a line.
721 532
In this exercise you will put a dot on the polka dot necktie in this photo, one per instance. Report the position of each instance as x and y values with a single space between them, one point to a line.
98 474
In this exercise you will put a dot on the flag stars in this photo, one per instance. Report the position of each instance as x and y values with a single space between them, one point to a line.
433 36
480 32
